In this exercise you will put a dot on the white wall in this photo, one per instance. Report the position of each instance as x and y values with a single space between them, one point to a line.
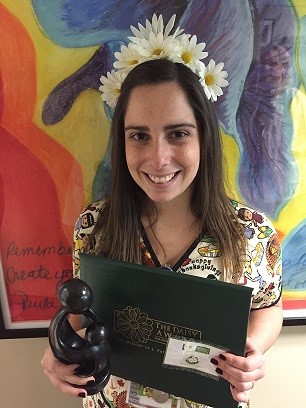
284 385
23 384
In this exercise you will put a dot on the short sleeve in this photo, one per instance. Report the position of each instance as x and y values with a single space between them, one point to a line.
84 227
263 263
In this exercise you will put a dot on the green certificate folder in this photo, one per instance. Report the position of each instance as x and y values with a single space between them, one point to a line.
144 307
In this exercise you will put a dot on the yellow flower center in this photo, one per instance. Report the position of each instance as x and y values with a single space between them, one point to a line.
209 79
117 91
186 57
157 51
134 62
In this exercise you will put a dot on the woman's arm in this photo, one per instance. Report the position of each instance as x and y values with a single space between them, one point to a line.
265 325
242 372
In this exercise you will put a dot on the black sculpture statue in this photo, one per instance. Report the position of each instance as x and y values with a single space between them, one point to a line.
92 352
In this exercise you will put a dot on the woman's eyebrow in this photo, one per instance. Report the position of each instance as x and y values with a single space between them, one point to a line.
179 125
137 127
167 127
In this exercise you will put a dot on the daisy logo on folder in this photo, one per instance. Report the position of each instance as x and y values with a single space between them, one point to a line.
133 324
138 328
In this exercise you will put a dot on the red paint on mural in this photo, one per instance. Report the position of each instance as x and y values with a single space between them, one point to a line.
35 188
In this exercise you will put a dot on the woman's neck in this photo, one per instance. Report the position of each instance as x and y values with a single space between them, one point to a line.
172 232
172 212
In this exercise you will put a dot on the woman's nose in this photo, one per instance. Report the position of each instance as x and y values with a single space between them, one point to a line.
160 154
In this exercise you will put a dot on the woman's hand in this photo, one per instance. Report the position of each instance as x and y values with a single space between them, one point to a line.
241 372
62 375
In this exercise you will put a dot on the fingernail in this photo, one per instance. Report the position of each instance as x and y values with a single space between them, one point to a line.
222 357
90 382
214 361
219 371
82 395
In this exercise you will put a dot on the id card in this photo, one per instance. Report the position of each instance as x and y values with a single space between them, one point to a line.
191 356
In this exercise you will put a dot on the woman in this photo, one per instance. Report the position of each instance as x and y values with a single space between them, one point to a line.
168 206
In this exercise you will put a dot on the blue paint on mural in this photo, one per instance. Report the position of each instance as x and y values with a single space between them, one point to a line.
83 23
256 41
267 175
294 259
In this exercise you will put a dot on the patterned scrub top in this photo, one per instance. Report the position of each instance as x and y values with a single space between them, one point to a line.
262 272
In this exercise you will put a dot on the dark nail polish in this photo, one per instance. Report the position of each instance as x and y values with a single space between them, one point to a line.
222 357
90 382
82 395
219 371
214 361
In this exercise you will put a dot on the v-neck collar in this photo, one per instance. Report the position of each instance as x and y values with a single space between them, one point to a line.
181 259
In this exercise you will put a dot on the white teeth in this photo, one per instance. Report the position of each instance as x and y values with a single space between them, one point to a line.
161 180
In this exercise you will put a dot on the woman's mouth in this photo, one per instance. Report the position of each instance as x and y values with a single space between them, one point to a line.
162 179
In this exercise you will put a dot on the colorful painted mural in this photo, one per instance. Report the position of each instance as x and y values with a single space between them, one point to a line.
54 129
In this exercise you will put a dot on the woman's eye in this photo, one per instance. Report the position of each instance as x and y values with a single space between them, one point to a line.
139 136
178 134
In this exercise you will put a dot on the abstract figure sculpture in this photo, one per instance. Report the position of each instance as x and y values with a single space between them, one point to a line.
93 351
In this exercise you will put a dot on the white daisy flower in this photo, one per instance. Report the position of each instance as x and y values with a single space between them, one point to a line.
156 27
189 52
111 86
157 46
212 79
128 57
154 41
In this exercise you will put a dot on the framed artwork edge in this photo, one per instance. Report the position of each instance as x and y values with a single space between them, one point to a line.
294 322
294 317
12 333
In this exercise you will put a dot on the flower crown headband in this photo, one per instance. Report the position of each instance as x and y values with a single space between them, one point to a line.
153 42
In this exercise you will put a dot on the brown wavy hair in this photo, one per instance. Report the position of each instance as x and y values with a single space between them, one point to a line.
119 223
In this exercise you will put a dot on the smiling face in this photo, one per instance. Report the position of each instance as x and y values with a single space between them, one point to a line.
162 142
